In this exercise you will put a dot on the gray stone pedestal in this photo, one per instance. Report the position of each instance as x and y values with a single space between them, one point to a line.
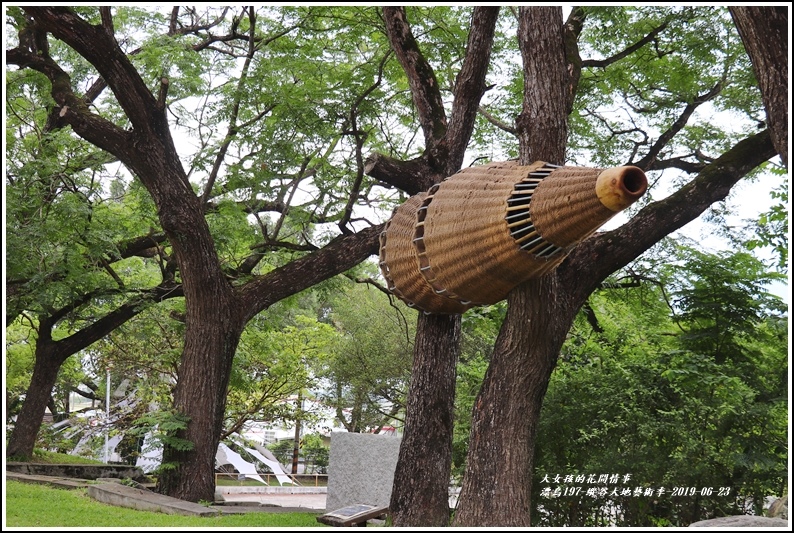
361 469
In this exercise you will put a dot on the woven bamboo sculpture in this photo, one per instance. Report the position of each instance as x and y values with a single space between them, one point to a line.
478 234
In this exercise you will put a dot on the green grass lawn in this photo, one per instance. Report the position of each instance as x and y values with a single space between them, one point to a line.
31 505
43 456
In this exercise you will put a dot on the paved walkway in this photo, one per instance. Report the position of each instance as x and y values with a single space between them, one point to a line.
293 502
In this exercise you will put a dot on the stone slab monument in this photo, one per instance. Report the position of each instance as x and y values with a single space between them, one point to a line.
361 469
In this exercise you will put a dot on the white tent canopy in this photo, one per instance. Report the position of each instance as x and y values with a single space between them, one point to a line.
226 455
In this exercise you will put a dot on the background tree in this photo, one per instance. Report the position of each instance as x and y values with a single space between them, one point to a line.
636 395
63 332
365 379
314 451
71 247
420 489
272 367
282 449
316 454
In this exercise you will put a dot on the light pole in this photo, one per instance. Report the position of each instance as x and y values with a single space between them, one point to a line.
296 447
107 413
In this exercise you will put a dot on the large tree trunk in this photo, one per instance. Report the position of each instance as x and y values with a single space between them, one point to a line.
420 492
499 468
496 487
213 322
421 478
764 32
45 372
215 313
211 337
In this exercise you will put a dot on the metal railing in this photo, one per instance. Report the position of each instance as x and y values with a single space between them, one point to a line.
299 480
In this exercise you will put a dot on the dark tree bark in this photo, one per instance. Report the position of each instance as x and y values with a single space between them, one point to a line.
764 32
212 331
542 125
420 492
496 486
212 328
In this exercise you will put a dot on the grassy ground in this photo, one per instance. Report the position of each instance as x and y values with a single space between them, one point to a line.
30 505
43 456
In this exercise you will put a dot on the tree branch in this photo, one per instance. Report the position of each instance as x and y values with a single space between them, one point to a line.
138 246
763 30
496 122
360 137
425 90
542 125
232 130
607 252
341 254
592 319
649 158
71 109
101 49
107 19
679 163
602 63
470 84
86 336
413 176
445 144
571 31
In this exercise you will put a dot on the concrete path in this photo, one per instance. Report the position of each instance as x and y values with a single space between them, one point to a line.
303 502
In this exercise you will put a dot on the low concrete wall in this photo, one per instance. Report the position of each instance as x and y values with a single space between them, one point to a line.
60 482
145 500
78 471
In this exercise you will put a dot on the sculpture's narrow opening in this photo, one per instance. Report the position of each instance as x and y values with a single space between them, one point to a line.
619 187
634 181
